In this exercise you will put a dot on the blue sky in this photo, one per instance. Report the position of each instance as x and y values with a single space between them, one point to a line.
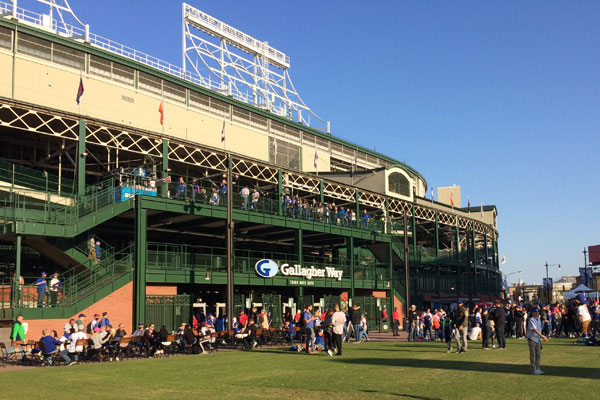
501 98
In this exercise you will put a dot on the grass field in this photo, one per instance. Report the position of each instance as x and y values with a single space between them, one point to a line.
365 371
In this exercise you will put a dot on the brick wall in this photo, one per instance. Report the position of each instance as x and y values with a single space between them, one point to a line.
118 305
164 290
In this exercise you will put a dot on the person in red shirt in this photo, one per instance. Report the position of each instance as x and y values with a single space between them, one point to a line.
396 321
242 319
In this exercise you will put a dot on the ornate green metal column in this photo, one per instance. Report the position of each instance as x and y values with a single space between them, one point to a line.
474 258
357 204
437 236
321 194
81 155
487 255
16 289
391 269
414 231
165 166
350 259
279 191
299 253
140 262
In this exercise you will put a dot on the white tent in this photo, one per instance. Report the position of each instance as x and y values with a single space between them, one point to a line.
579 289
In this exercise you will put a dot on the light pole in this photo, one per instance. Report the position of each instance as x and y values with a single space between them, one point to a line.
548 288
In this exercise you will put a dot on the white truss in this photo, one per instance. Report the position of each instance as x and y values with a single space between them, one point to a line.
56 16
254 72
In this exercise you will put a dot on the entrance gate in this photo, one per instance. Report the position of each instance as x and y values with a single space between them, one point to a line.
329 301
303 301
368 306
170 311
272 303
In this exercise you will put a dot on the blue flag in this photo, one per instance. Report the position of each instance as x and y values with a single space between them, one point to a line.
80 90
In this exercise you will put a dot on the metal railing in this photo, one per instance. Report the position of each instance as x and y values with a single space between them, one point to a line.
76 283
19 176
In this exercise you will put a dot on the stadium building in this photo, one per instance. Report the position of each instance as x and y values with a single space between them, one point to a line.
103 143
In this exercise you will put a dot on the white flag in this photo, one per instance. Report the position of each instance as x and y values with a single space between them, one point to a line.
503 260
223 133
316 157
432 193
481 209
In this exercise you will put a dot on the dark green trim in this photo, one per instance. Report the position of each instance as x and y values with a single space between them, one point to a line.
351 259
165 166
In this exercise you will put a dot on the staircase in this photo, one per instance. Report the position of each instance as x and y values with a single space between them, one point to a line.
38 213
85 284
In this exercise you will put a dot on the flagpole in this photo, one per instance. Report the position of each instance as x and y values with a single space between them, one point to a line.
80 80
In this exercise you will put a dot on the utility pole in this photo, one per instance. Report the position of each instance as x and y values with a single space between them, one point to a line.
230 226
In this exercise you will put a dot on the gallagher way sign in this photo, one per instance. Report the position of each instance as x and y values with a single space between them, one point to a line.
269 268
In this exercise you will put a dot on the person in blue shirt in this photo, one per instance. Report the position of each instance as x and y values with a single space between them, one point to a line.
104 322
42 288
50 343
181 189
98 250
220 324
309 328
343 216
223 191
365 219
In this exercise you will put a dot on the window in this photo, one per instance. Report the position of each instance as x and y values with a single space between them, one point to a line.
35 47
111 70
150 83
174 92
398 183
288 154
249 118
6 38
200 101
67 56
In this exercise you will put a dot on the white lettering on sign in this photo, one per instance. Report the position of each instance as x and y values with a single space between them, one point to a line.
311 272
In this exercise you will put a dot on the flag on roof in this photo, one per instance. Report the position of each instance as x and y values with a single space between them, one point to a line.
482 209
469 204
316 157
223 132
452 198
79 90
503 260
160 110
432 193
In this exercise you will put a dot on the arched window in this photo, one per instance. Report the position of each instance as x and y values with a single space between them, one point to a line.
397 183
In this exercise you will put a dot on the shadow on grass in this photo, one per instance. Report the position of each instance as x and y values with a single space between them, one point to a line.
573 372
403 395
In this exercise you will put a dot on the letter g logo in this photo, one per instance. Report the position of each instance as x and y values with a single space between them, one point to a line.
266 268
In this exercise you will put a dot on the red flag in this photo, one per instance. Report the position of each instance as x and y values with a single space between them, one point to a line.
160 110
452 198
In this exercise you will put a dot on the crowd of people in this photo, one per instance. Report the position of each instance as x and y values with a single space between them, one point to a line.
579 318
291 206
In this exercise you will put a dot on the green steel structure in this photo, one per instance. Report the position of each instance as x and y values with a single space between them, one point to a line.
66 178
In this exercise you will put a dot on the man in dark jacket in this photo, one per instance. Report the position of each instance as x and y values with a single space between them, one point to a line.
499 317
461 326
519 322
355 319
413 320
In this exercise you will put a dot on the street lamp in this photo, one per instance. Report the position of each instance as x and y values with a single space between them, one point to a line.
507 293
548 289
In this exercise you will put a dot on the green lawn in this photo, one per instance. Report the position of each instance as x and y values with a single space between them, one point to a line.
368 370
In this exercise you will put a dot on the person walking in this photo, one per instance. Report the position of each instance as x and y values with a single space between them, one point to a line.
17 338
412 323
396 321
338 319
461 326
534 337
309 329
355 318
499 317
